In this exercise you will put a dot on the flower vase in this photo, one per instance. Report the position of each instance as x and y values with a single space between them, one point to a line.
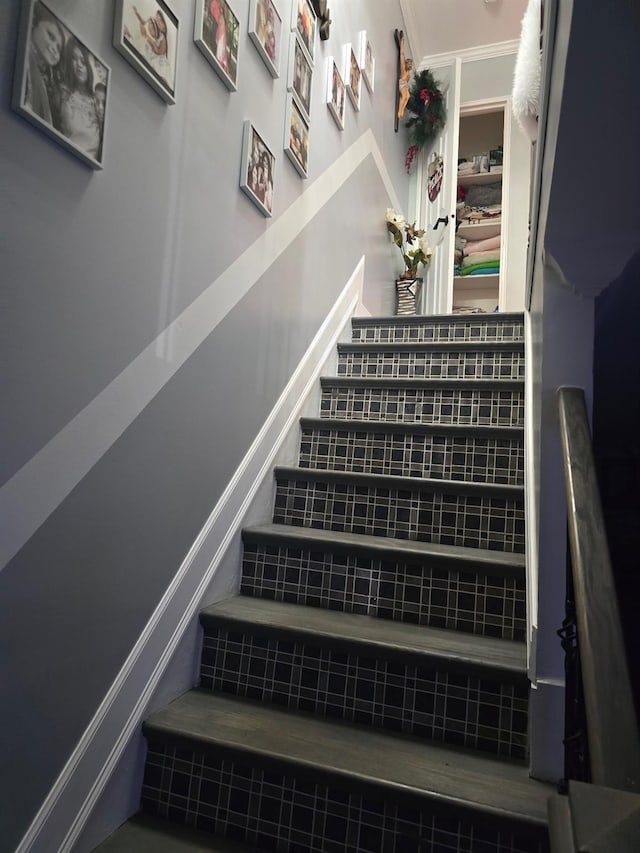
407 293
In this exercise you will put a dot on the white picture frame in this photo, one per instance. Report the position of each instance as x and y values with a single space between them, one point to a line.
145 33
335 92
218 39
300 75
70 107
305 23
352 75
266 32
296 137
257 170
367 60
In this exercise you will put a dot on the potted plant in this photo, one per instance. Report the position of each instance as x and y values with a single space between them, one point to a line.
415 250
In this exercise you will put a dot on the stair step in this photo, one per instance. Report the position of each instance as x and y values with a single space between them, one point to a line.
391 640
480 327
480 402
146 834
217 758
452 512
463 589
479 454
426 682
465 360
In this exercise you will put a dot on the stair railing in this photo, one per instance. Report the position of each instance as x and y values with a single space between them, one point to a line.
612 732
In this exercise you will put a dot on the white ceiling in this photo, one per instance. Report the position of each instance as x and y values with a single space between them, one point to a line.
441 26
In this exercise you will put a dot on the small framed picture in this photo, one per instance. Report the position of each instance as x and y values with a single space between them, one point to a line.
335 92
352 75
217 33
367 60
265 31
145 32
257 170
60 85
296 137
304 23
300 74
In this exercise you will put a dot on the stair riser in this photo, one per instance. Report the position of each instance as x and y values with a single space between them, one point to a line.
432 365
285 810
483 460
425 594
419 514
470 329
428 701
475 407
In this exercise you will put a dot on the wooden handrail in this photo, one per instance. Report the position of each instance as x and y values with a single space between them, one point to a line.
614 745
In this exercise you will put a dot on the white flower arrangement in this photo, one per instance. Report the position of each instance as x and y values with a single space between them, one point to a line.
413 245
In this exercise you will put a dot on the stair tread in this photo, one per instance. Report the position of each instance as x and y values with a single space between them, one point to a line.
498 787
385 546
147 834
418 382
431 346
393 481
381 636
458 430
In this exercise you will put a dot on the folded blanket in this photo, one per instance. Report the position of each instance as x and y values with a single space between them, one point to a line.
484 267
473 246
492 256
482 271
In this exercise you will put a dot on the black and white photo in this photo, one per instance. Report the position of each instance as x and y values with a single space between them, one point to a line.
300 74
336 94
257 170
367 61
146 33
60 85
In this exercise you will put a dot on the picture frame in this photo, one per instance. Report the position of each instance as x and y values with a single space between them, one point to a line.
257 170
265 31
335 92
296 137
367 60
305 23
60 85
300 75
352 75
217 34
145 33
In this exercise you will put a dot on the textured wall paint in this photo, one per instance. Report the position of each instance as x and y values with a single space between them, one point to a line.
95 266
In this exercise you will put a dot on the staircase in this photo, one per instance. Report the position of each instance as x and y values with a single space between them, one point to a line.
367 691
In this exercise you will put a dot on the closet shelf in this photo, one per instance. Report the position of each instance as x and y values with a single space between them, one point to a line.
480 230
479 178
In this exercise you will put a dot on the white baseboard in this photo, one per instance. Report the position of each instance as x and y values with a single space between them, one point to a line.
122 711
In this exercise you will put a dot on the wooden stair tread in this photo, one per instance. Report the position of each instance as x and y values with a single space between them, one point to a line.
401 765
147 834
386 547
384 637
392 481
456 430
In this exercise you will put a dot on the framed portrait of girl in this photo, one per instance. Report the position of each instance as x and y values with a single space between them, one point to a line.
217 34
60 85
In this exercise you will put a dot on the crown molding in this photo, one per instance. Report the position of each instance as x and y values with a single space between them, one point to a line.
471 54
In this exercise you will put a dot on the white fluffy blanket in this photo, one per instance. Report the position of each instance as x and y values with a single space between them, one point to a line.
525 97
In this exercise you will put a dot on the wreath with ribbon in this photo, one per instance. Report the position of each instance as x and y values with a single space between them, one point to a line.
428 113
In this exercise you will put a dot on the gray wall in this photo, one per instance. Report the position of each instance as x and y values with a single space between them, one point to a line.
95 266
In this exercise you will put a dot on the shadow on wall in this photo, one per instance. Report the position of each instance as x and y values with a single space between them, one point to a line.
616 433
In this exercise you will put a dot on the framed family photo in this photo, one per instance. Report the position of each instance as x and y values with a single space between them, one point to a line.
257 170
146 33
265 31
296 138
367 60
336 95
300 74
217 34
352 75
60 85
304 23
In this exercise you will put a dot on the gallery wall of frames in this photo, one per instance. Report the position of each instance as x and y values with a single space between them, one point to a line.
63 87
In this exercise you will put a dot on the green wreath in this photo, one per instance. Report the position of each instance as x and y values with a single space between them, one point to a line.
428 113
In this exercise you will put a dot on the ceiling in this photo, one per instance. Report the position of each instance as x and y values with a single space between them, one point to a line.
441 26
